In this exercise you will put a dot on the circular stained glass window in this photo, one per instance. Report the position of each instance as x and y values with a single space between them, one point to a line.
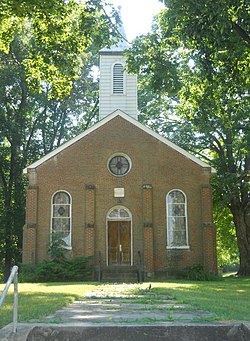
119 165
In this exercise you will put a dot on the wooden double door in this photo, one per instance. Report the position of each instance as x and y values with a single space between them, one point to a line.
119 242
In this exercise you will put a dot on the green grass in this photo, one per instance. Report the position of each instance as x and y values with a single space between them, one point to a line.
228 299
38 300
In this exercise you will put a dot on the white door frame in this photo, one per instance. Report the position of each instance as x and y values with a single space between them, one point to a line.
115 214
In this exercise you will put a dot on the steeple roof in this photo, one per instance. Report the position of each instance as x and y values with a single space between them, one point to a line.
122 44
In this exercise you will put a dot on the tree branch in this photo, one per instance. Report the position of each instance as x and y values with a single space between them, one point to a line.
91 115
242 33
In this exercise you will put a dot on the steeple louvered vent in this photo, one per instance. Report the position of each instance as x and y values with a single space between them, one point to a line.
118 79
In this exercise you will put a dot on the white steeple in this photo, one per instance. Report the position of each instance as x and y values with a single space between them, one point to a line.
118 89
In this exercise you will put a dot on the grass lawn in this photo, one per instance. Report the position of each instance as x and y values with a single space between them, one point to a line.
40 299
229 299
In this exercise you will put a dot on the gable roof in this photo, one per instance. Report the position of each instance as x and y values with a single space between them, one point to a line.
106 120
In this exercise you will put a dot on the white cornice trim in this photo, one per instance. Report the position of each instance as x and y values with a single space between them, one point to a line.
106 120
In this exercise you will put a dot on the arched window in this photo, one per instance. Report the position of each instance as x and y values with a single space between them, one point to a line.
61 218
118 76
177 232
119 213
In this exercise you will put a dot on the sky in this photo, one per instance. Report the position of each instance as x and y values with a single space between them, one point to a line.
137 15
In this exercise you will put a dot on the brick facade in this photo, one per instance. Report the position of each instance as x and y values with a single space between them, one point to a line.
81 170
209 235
29 245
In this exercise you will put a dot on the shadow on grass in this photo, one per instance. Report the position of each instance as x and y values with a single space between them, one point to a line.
228 299
51 284
33 306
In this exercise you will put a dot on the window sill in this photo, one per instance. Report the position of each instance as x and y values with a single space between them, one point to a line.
187 247
68 248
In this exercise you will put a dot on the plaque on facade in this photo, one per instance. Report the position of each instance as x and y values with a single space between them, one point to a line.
119 192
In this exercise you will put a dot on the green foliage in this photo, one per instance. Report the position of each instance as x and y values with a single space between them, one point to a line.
197 273
1 277
58 248
62 33
205 48
75 269
47 50
227 249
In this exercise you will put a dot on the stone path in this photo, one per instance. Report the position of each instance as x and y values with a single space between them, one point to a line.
118 303
128 312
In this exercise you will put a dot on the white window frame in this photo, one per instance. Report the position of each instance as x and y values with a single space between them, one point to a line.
69 244
119 154
169 246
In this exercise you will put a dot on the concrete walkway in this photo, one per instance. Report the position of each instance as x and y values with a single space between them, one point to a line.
119 306
114 304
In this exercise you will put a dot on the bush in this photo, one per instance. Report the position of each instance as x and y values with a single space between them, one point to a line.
197 273
75 269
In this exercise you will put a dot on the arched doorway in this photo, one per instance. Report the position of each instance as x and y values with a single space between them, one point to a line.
119 236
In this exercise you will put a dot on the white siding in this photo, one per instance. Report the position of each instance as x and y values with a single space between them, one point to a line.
109 102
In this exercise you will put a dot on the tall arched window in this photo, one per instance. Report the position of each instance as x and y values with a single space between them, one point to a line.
118 76
177 232
61 218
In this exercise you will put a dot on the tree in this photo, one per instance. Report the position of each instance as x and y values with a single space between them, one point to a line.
63 32
35 119
227 250
198 56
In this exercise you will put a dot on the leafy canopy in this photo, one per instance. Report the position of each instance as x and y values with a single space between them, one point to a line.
62 33
197 61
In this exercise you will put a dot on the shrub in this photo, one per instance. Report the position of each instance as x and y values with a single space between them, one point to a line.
75 269
197 273
58 247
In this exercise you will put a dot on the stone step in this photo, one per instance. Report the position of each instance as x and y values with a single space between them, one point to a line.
135 333
120 274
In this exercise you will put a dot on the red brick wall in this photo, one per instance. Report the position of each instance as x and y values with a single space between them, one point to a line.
209 242
154 163
29 245
31 204
90 220
29 231
147 197
148 251
89 241
209 233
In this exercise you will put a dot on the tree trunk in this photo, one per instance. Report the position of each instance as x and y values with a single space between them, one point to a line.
7 259
8 243
241 220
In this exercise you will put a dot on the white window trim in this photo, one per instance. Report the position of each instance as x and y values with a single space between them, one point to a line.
69 247
112 79
180 247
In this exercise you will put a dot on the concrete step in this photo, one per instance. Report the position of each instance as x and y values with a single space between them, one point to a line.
227 332
120 274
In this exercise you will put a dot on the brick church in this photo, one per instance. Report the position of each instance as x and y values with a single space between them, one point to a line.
121 193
